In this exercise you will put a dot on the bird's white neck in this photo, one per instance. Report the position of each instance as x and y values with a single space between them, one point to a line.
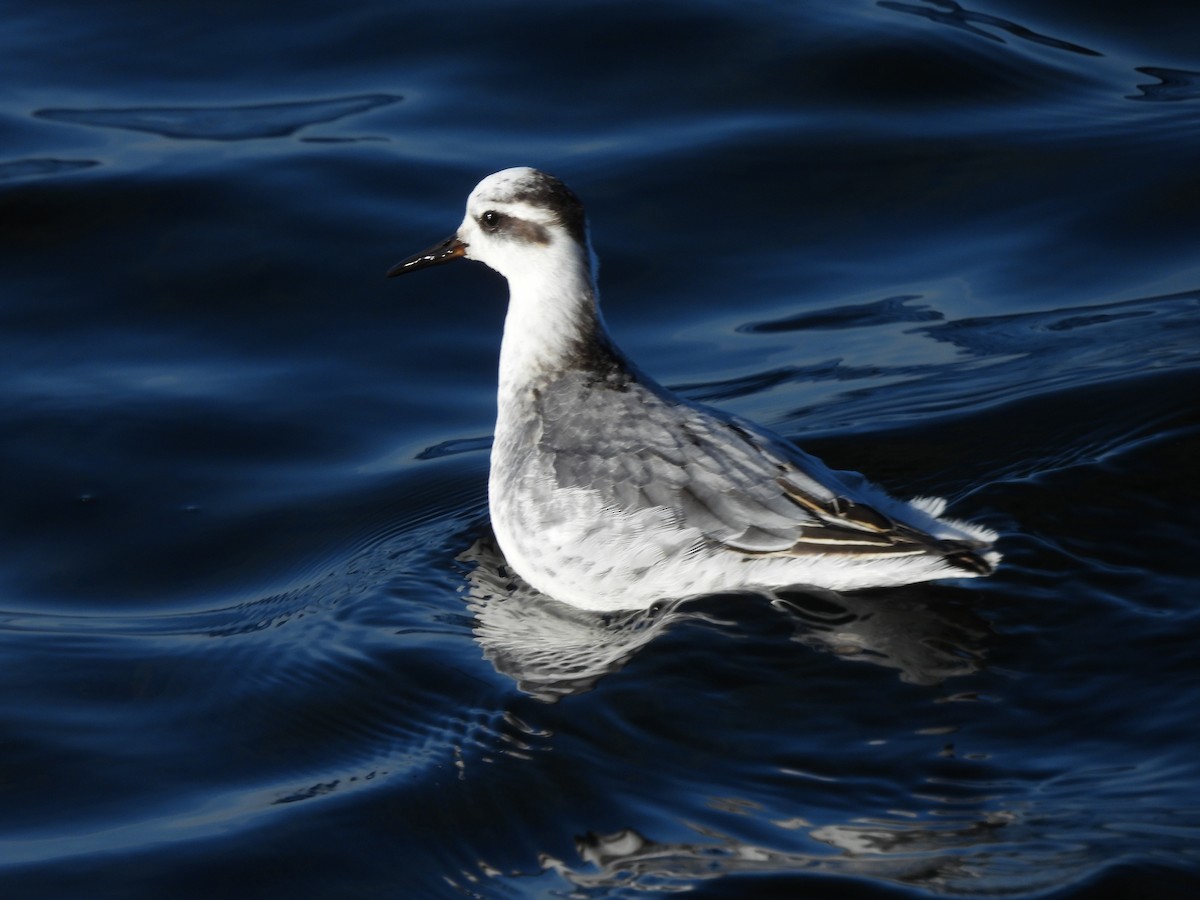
552 313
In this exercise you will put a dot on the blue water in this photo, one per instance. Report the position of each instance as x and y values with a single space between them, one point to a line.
254 640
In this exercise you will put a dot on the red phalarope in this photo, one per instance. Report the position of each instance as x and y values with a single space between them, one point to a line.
609 492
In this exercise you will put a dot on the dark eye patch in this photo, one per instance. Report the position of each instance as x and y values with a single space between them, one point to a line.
519 229
529 232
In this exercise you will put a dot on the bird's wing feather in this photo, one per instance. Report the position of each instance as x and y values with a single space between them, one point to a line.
742 487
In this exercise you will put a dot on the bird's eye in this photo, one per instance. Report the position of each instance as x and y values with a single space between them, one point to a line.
491 220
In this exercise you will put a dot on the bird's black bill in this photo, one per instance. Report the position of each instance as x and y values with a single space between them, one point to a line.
447 251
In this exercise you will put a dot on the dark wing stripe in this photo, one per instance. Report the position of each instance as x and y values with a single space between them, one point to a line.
814 547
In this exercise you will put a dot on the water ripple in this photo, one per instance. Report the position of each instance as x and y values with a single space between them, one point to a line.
1174 85
996 839
850 315
955 15
319 662
1014 357
36 168
223 123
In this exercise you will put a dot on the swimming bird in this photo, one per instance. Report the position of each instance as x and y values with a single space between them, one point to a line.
607 491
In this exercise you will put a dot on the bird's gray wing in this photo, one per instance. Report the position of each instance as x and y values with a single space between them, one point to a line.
742 487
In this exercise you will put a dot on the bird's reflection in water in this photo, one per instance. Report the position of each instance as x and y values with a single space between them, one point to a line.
922 632
553 650
941 858
918 630
550 649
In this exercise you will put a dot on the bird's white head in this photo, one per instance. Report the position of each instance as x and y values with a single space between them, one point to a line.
530 228
522 218
520 222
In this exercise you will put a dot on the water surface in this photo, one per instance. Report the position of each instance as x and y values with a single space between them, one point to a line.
256 640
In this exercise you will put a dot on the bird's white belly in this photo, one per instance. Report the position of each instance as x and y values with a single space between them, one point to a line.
566 543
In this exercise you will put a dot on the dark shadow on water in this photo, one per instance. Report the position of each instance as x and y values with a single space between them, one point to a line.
948 12
852 315
456 446
758 382
1173 85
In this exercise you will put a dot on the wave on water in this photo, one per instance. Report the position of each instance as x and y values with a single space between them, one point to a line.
1173 85
223 123
948 12
34 167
